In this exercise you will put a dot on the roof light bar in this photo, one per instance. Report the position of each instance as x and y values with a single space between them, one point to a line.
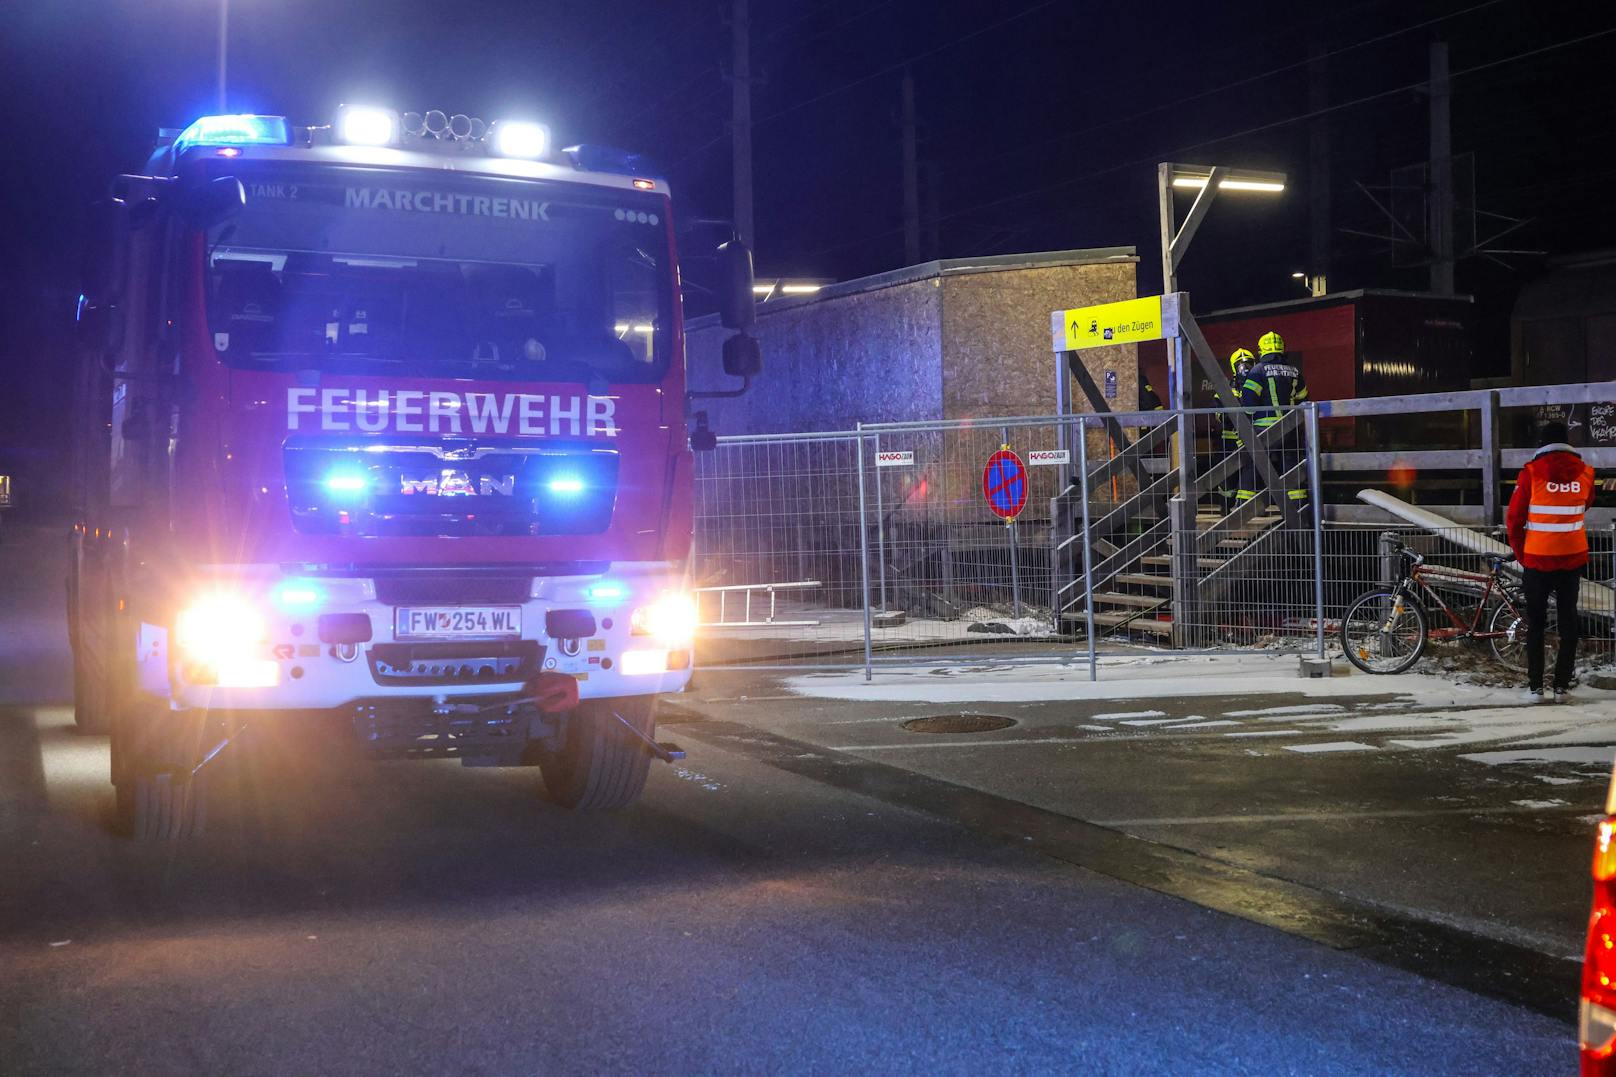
245 130
361 125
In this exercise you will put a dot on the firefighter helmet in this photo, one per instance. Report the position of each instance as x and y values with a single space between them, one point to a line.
1240 355
1271 344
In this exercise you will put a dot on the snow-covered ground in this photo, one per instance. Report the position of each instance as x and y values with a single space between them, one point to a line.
1133 677
1344 713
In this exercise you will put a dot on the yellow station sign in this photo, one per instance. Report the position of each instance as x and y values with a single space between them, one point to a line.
1152 317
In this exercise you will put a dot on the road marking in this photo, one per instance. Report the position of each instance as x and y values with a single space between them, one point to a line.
1332 746
1114 715
1278 712
1333 816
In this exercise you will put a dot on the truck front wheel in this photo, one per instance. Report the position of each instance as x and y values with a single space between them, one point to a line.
153 752
602 764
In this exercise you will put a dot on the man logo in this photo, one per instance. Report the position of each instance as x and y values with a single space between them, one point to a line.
453 483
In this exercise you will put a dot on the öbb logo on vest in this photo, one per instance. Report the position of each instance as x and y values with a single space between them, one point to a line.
1565 487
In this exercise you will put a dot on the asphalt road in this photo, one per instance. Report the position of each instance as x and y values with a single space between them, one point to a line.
769 907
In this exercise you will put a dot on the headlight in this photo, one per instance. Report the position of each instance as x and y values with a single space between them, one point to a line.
219 628
671 619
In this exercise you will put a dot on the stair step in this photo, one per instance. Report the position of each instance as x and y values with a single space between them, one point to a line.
1143 579
1137 624
1117 598
1163 560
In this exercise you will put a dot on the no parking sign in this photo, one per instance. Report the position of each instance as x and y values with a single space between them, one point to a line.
1004 484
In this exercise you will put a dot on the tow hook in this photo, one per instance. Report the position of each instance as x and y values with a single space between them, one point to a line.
668 752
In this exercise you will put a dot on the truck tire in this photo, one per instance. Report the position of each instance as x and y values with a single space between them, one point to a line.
92 710
601 765
153 751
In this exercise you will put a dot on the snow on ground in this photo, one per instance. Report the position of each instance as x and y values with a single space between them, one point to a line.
1428 712
1130 678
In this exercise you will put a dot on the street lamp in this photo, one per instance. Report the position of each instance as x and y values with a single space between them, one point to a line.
1208 181
224 46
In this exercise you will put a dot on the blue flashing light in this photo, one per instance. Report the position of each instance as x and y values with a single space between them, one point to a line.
566 485
587 158
345 482
606 591
297 595
243 130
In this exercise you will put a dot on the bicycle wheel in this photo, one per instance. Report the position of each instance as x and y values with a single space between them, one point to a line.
1509 647
1383 632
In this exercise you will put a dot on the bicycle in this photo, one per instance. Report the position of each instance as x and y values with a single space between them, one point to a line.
1386 630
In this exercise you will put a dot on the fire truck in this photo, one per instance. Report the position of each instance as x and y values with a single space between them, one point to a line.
382 431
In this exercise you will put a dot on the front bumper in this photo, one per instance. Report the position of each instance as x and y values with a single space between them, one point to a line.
308 673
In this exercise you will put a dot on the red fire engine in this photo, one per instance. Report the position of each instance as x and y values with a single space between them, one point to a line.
383 436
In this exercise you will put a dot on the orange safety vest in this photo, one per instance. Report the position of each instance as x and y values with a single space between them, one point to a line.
1554 519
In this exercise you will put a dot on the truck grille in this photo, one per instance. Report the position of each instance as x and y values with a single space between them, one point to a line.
449 487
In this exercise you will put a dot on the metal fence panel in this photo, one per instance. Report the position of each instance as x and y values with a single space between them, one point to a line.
883 545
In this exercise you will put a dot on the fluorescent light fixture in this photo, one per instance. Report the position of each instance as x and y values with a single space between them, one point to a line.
762 289
1298 276
1194 177
244 130
800 289
566 484
519 138
359 125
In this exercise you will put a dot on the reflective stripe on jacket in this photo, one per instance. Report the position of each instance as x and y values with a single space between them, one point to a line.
1546 516
1274 384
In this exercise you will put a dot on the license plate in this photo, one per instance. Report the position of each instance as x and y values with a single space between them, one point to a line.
457 622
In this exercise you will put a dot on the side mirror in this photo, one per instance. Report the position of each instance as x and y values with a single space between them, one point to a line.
737 304
742 358
215 202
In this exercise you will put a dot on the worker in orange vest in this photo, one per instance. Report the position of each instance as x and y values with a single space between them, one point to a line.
1550 539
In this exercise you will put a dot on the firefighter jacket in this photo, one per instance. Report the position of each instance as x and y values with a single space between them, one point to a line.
1272 384
1545 518
1148 398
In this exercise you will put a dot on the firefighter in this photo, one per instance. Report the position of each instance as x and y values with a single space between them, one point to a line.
1240 361
1272 384
1149 399
1550 539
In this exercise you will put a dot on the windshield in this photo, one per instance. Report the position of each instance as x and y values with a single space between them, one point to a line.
372 271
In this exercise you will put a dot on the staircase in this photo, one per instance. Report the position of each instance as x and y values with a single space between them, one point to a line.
1139 602
1135 546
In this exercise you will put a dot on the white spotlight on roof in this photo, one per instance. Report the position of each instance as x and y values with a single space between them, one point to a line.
358 125
519 138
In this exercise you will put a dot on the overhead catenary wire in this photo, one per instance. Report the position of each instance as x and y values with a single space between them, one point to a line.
1152 158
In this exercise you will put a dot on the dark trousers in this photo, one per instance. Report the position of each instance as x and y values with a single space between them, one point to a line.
1562 584
1281 461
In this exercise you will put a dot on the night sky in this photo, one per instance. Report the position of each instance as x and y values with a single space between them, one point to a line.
1040 125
